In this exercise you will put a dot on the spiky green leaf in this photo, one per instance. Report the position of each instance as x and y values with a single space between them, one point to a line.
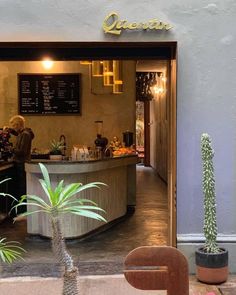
87 213
45 175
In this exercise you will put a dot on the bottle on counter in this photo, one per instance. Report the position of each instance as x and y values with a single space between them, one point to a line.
74 153
98 152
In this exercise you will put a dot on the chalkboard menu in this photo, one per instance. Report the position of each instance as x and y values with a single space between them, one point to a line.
49 94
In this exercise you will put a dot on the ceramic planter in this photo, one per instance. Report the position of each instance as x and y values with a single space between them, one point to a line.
211 268
55 157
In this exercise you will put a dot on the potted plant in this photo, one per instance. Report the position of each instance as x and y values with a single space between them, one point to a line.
62 199
211 260
56 150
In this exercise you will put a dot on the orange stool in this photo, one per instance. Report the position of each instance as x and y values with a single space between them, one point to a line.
157 268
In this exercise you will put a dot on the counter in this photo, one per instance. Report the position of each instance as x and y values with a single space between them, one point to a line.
4 165
118 173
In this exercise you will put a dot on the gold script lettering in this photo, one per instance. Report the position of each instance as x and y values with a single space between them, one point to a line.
107 27
133 26
113 25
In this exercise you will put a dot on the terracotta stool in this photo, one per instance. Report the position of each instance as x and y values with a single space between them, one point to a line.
157 268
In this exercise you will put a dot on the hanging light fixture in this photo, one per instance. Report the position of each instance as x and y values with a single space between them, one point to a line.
108 74
159 86
97 68
117 79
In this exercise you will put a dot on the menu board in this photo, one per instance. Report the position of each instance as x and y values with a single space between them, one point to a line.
49 94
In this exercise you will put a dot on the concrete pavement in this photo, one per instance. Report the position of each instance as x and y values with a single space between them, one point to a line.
90 285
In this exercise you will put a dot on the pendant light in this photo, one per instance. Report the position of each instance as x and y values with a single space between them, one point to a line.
159 87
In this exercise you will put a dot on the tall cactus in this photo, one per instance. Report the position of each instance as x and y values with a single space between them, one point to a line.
208 180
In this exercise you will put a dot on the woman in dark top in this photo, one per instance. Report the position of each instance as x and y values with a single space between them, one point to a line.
21 152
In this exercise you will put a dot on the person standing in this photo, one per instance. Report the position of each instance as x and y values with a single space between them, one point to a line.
21 152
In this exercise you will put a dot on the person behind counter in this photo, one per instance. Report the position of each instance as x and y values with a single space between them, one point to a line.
21 152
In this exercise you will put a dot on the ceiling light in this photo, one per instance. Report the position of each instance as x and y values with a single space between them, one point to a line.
47 63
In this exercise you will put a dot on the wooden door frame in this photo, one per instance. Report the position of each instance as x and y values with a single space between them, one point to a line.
34 51
172 153
146 133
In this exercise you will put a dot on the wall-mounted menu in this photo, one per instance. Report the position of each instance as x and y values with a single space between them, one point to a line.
49 94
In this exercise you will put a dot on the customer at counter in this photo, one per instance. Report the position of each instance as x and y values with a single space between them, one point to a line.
21 151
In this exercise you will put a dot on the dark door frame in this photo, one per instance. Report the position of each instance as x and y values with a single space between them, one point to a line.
35 51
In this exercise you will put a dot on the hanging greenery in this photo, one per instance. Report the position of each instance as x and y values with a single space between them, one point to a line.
144 82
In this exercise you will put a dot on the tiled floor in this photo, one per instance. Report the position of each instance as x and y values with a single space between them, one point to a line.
103 253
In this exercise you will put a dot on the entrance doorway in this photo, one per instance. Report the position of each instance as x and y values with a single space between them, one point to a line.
153 81
74 51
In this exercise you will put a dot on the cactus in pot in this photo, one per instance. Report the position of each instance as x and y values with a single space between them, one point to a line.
208 183
211 260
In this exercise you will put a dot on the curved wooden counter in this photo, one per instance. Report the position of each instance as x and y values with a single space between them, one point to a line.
118 173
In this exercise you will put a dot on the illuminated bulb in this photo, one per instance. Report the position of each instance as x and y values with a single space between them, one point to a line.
47 63
164 79
158 90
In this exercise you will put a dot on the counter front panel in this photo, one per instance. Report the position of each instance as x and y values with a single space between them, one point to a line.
117 173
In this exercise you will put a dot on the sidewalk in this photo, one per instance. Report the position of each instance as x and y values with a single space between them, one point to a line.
101 285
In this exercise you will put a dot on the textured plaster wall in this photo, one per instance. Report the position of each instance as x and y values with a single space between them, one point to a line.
116 111
205 31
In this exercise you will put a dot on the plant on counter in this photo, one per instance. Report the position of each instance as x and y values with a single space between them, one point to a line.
62 200
56 147
210 256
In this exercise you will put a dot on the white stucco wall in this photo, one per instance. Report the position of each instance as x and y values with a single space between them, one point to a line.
205 32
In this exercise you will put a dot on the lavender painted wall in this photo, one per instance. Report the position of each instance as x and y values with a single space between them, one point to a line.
205 32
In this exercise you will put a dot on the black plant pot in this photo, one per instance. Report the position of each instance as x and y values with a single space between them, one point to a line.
211 268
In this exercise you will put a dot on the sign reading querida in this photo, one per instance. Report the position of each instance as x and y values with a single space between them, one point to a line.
113 25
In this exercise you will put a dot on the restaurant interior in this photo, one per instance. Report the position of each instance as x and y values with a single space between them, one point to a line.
116 109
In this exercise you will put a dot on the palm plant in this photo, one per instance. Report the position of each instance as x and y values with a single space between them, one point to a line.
62 200
9 250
